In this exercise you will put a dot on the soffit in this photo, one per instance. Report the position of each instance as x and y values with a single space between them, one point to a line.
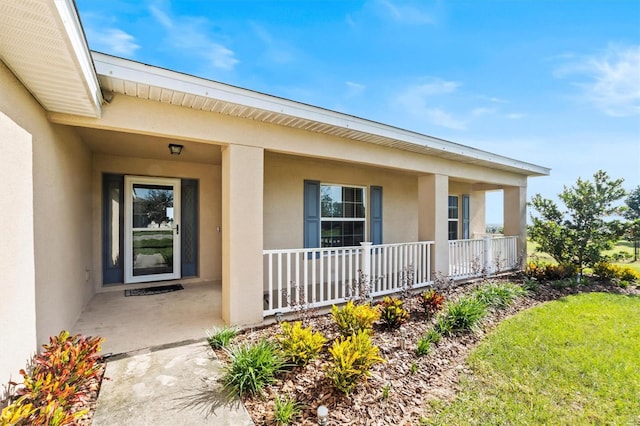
135 79
42 43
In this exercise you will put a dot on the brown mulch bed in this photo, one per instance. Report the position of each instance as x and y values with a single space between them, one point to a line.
412 381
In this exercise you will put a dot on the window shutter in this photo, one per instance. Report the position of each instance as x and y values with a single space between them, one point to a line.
466 214
189 227
112 226
376 214
311 214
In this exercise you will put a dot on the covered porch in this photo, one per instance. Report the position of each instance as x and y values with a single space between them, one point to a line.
135 323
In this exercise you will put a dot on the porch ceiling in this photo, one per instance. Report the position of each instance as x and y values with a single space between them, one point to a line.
142 146
43 44
135 79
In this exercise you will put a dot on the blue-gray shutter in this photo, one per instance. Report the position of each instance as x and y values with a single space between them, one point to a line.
466 214
311 214
112 269
376 214
189 227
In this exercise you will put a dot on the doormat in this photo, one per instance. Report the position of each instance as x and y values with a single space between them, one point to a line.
153 290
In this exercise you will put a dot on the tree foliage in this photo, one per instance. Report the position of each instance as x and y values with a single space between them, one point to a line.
580 233
632 214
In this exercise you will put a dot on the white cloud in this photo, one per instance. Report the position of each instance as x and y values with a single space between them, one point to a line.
479 112
118 42
190 35
103 36
515 116
405 13
276 51
161 17
417 100
354 89
439 117
609 80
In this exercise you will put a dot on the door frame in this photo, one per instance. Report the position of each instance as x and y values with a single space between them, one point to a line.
129 181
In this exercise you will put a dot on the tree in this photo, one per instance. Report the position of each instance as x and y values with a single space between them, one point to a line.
632 214
579 234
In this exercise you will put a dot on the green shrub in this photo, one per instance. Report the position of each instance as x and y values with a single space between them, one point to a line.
498 295
386 391
352 359
298 344
424 346
549 272
624 284
58 380
432 336
219 338
392 312
530 285
286 410
431 301
252 367
352 318
609 272
559 284
460 316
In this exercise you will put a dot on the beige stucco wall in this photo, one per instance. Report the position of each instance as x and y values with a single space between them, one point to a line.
17 281
61 225
210 211
284 191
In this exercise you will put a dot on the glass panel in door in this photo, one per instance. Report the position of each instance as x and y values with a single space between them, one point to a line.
152 229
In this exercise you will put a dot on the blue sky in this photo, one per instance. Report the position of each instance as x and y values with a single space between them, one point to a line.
554 83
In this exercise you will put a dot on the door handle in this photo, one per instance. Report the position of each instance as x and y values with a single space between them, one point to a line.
177 228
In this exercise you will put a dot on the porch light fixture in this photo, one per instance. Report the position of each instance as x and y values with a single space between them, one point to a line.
175 149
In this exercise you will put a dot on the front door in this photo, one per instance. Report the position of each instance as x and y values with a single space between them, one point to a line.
152 228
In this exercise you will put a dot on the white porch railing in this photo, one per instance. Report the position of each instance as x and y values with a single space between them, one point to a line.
482 257
323 277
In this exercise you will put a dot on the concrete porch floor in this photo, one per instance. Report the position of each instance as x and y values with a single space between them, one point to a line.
132 323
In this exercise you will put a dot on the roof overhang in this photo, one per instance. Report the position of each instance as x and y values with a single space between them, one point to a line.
43 44
122 76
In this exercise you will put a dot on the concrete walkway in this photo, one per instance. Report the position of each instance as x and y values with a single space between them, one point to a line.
172 386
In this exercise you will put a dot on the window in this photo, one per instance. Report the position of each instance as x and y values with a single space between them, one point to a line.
453 217
342 215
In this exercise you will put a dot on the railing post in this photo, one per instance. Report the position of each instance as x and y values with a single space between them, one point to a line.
366 260
488 255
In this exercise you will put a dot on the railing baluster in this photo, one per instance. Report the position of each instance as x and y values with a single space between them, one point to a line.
270 286
288 287
279 277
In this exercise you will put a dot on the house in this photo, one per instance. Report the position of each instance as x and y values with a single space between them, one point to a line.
271 197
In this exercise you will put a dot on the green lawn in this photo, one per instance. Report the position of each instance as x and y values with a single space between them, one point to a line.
574 361
621 246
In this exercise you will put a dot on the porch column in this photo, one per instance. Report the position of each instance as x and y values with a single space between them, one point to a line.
433 216
478 222
515 217
242 234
